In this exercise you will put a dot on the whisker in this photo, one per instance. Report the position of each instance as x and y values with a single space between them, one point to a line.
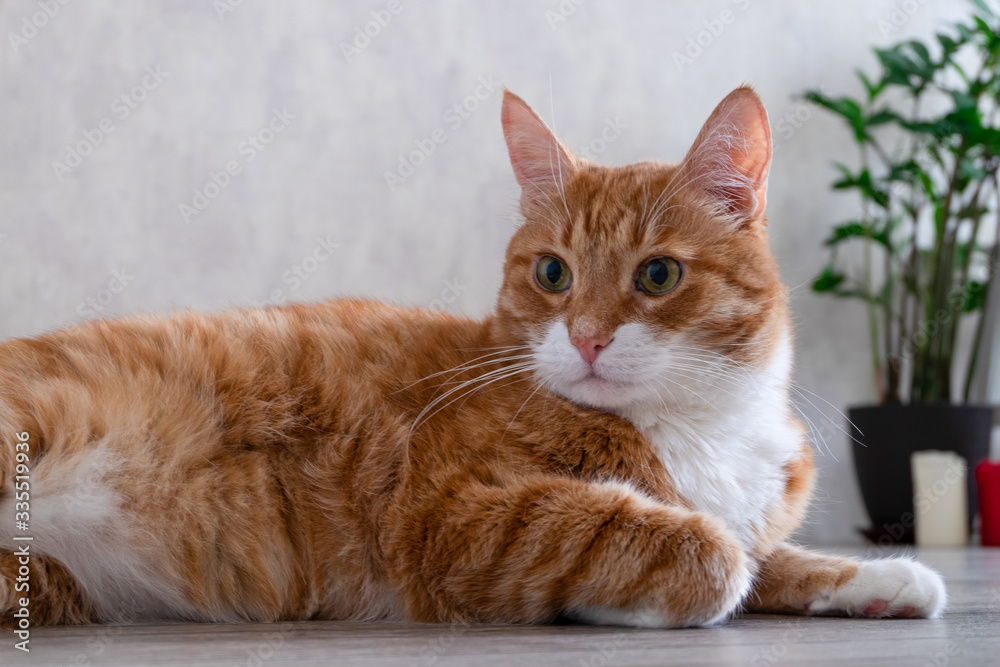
524 403
490 376
484 364
554 147
798 389
474 389
464 366
700 397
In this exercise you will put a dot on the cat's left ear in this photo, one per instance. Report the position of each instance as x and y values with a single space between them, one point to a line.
730 159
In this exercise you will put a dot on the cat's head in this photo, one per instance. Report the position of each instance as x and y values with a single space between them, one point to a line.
642 283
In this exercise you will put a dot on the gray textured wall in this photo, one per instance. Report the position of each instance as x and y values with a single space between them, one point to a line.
309 213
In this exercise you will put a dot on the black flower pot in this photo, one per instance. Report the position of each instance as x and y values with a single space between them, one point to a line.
886 436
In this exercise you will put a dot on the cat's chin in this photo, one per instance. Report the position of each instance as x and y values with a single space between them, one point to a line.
598 392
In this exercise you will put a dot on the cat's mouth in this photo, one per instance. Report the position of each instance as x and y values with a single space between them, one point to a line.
597 390
595 380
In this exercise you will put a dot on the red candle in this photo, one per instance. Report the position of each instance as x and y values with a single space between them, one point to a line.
988 479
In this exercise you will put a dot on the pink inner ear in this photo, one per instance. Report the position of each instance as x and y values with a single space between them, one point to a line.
539 159
729 160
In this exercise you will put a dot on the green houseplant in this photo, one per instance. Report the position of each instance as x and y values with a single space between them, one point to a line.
922 250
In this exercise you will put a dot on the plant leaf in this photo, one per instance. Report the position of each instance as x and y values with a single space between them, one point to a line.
922 53
975 296
983 7
857 229
948 45
848 109
828 280
872 89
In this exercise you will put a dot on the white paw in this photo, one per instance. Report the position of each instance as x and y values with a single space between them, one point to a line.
895 587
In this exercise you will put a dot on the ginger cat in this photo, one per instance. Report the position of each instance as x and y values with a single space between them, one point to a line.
615 443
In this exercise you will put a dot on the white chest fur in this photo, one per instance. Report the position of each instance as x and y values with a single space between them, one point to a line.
725 444
735 476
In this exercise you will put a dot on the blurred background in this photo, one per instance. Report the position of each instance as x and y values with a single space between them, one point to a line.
165 155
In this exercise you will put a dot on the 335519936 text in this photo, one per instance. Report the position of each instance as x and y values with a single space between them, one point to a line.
22 551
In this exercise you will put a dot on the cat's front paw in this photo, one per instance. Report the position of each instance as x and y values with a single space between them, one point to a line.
891 588
710 578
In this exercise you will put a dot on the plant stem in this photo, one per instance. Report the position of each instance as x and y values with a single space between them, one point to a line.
873 332
933 386
963 281
910 279
994 265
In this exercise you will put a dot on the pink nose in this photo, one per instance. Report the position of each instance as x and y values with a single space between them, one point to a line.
590 347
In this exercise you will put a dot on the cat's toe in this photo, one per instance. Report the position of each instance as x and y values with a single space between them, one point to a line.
893 588
876 608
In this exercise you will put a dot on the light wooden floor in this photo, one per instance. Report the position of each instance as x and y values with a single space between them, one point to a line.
969 634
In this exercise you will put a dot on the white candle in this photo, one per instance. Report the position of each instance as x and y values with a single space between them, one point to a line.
939 499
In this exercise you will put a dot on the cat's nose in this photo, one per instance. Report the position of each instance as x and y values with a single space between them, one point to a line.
590 346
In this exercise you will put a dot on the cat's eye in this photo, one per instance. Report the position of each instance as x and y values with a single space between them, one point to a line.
658 275
553 274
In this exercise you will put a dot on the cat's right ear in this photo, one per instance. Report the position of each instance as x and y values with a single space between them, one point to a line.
541 162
